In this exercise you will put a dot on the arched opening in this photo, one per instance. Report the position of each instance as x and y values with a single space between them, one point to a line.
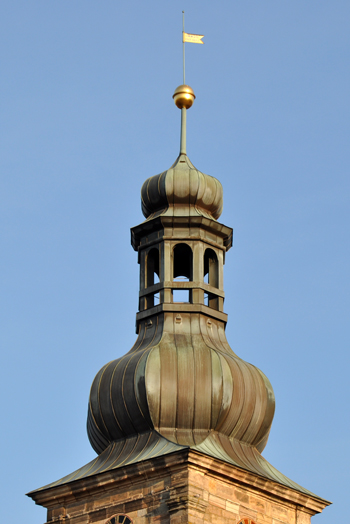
211 268
152 276
182 271
183 262
119 519
152 267
211 277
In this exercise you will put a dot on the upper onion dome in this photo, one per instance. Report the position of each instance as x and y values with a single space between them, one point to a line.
183 186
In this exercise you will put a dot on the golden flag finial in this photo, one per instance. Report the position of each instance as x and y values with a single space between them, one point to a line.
193 39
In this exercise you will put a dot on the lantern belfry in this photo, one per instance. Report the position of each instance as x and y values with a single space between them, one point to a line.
179 422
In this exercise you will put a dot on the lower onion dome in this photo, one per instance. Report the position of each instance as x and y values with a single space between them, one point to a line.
184 387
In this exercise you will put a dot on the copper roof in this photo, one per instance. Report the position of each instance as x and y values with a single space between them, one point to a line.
181 386
182 189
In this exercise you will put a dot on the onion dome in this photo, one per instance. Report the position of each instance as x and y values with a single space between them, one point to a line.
182 190
186 387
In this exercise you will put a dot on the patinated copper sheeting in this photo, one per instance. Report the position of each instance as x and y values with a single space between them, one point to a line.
151 445
118 404
120 453
182 189
183 380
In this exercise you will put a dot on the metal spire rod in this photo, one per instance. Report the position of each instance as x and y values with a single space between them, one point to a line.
183 131
183 109
183 44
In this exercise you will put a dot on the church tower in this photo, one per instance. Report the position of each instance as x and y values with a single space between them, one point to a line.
179 422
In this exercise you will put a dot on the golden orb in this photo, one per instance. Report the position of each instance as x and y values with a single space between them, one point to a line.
184 96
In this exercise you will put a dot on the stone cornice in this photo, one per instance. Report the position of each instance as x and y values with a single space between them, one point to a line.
219 469
169 464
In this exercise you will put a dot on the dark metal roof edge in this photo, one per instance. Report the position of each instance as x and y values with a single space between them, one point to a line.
58 484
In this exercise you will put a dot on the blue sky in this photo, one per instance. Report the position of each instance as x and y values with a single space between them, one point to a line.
86 116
